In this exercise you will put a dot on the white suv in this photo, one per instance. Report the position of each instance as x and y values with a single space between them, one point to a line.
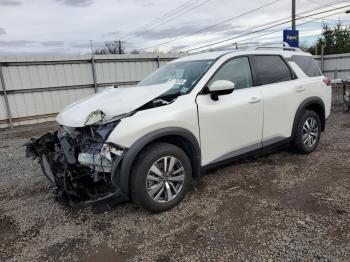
147 142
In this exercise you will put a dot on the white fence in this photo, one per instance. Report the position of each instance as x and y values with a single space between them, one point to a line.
34 89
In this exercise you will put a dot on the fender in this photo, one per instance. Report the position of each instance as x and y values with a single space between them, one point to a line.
306 103
134 150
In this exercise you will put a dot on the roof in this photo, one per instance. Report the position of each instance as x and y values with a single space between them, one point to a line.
218 54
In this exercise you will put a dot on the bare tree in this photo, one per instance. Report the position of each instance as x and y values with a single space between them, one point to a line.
111 47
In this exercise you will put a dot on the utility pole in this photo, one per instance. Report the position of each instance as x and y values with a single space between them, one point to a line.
322 58
92 50
293 15
120 47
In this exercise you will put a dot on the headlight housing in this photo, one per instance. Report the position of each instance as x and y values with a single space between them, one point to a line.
94 117
102 132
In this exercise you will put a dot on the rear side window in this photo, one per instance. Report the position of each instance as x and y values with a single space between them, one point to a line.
307 64
270 69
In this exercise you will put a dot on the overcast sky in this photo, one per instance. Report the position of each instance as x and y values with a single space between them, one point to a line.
67 26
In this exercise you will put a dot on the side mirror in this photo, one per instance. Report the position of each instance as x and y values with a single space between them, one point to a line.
220 87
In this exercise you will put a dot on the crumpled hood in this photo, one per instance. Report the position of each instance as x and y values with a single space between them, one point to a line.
112 102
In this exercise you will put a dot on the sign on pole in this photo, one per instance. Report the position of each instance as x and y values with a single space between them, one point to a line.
291 37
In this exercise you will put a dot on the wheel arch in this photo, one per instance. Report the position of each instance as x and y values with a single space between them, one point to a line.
180 137
312 103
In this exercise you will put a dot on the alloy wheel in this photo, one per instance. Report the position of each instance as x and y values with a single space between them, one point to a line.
310 132
165 179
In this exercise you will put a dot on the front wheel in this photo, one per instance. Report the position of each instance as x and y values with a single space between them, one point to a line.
161 177
308 132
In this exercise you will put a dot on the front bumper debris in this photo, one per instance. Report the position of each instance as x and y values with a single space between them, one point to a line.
81 174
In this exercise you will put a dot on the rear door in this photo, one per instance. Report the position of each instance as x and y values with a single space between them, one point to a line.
312 78
282 93
232 125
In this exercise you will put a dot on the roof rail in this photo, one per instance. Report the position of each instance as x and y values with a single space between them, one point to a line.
252 46
285 46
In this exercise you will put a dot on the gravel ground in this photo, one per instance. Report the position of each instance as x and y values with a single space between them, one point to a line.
280 206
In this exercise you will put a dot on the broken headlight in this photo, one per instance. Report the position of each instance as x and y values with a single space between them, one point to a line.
94 117
103 130
108 148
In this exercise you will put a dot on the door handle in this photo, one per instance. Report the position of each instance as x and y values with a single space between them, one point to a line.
300 89
254 100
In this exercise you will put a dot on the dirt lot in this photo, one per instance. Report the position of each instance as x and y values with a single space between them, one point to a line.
280 206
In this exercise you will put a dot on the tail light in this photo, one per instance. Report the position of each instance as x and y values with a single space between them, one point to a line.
327 81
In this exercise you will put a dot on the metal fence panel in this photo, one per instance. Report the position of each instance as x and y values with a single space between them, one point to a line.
336 66
40 86
3 113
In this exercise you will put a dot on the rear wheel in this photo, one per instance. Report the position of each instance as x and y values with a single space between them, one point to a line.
308 132
161 177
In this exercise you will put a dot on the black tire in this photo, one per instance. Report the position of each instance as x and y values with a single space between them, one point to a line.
147 158
298 141
44 163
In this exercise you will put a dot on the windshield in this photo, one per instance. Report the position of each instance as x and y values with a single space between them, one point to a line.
185 74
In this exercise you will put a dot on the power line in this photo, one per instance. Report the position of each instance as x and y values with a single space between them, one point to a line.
307 11
312 1
322 6
217 24
260 30
230 19
166 15
169 19
270 33
171 12
337 20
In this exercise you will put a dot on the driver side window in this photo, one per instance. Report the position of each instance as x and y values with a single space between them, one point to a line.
237 71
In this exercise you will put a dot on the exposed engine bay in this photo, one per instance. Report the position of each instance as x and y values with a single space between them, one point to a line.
80 165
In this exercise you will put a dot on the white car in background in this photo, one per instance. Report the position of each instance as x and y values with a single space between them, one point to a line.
146 143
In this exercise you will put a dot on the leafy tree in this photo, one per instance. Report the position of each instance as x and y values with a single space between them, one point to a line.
335 40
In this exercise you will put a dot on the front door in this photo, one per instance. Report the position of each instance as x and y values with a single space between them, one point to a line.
233 124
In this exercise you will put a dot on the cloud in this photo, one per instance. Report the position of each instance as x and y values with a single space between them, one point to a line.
70 21
9 2
52 43
81 3
111 34
16 43
178 47
148 4
26 47
39 51
183 30
86 44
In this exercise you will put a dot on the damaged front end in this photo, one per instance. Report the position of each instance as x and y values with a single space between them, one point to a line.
80 164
